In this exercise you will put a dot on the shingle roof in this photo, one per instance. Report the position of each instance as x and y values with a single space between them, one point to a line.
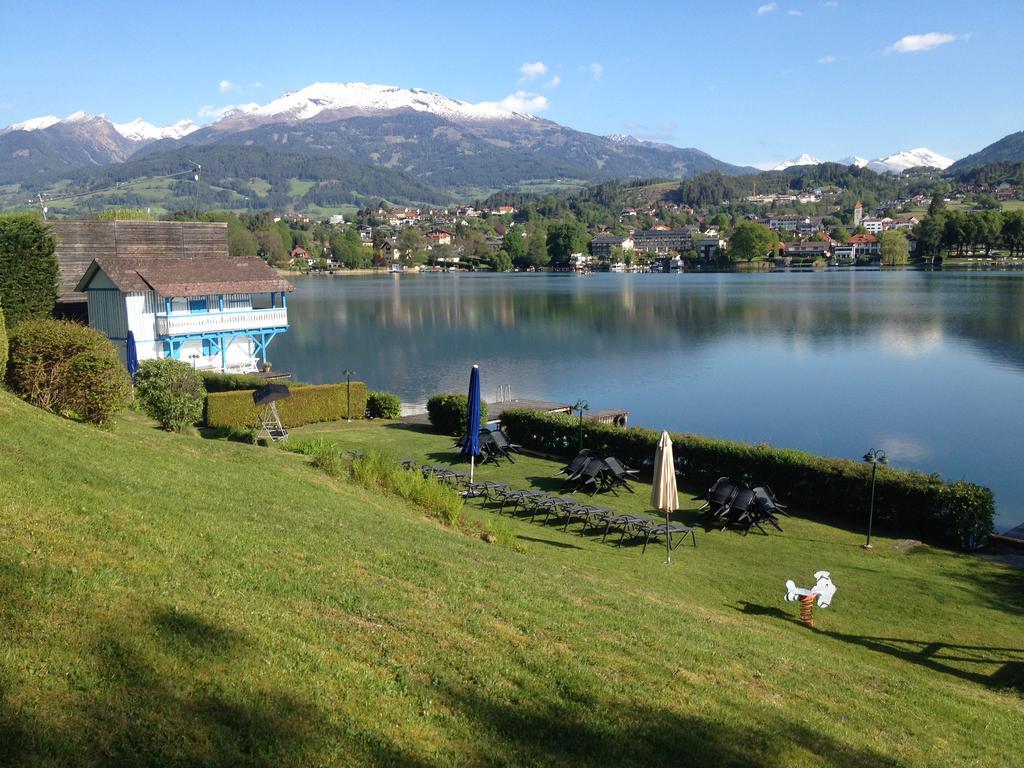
188 277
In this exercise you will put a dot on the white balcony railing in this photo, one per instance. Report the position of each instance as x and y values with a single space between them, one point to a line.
220 322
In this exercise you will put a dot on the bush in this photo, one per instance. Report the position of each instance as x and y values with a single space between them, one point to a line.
910 503
170 391
3 346
28 267
308 404
383 405
448 413
68 369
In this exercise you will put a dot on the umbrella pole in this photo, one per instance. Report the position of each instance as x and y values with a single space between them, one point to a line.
668 539
472 466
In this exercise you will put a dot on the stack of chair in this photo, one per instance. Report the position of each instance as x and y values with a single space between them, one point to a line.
734 504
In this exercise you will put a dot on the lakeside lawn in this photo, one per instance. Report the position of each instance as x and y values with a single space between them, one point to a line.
171 600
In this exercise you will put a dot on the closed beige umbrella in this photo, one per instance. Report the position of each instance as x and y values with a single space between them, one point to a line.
664 494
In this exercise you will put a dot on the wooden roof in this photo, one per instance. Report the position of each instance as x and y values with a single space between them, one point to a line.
80 242
187 277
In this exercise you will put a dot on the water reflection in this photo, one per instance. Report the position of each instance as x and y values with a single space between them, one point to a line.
928 363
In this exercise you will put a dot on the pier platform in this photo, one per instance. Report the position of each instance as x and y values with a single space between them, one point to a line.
1011 538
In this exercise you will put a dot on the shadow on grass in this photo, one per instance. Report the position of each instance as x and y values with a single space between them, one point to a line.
1001 588
424 429
139 708
549 542
564 726
993 667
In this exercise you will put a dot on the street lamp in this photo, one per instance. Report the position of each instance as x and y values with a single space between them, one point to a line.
194 357
348 386
581 406
874 457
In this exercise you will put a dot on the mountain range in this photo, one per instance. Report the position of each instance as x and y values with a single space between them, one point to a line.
894 163
335 144
445 143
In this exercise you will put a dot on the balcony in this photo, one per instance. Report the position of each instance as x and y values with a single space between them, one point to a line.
221 322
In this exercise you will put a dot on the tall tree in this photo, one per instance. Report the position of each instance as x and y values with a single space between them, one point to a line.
565 239
750 240
28 267
894 246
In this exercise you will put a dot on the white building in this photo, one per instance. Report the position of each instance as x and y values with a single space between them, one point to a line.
217 313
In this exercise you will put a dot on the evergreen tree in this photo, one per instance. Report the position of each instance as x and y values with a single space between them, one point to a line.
28 267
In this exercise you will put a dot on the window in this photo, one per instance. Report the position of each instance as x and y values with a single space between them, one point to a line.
208 348
197 304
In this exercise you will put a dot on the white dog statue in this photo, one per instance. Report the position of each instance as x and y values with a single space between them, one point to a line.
823 590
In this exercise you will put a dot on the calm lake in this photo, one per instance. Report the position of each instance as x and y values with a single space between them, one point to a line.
928 366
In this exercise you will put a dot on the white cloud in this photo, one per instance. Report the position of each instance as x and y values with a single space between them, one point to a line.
554 82
597 70
830 59
833 4
226 85
256 84
531 71
766 8
918 43
521 101
794 12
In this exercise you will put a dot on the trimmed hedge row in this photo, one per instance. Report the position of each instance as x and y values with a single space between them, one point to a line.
908 503
3 346
307 405
215 381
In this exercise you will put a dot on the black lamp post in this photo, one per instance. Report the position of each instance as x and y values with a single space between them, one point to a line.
581 406
348 392
874 457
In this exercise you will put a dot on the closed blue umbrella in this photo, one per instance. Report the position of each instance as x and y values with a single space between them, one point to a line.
471 445
131 355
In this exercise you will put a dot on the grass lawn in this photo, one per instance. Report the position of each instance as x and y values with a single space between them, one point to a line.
170 600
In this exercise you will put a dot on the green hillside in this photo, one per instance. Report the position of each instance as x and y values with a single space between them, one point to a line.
1008 149
169 600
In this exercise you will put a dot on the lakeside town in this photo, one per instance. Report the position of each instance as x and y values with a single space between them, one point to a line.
466 385
651 238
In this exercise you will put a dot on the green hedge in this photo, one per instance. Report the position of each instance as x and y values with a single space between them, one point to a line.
215 381
907 503
383 405
308 404
3 346
448 412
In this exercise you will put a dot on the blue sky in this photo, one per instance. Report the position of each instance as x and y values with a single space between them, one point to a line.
749 82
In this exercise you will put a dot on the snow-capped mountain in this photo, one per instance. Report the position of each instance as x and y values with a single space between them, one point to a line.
139 130
896 163
319 98
910 158
804 159
34 123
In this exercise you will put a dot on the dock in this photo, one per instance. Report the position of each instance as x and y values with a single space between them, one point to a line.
494 410
1011 538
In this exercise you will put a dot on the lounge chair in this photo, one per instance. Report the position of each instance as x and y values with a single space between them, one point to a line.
671 530
618 474
590 477
577 463
719 498
631 524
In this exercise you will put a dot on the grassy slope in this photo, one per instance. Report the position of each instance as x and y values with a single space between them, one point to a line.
169 600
